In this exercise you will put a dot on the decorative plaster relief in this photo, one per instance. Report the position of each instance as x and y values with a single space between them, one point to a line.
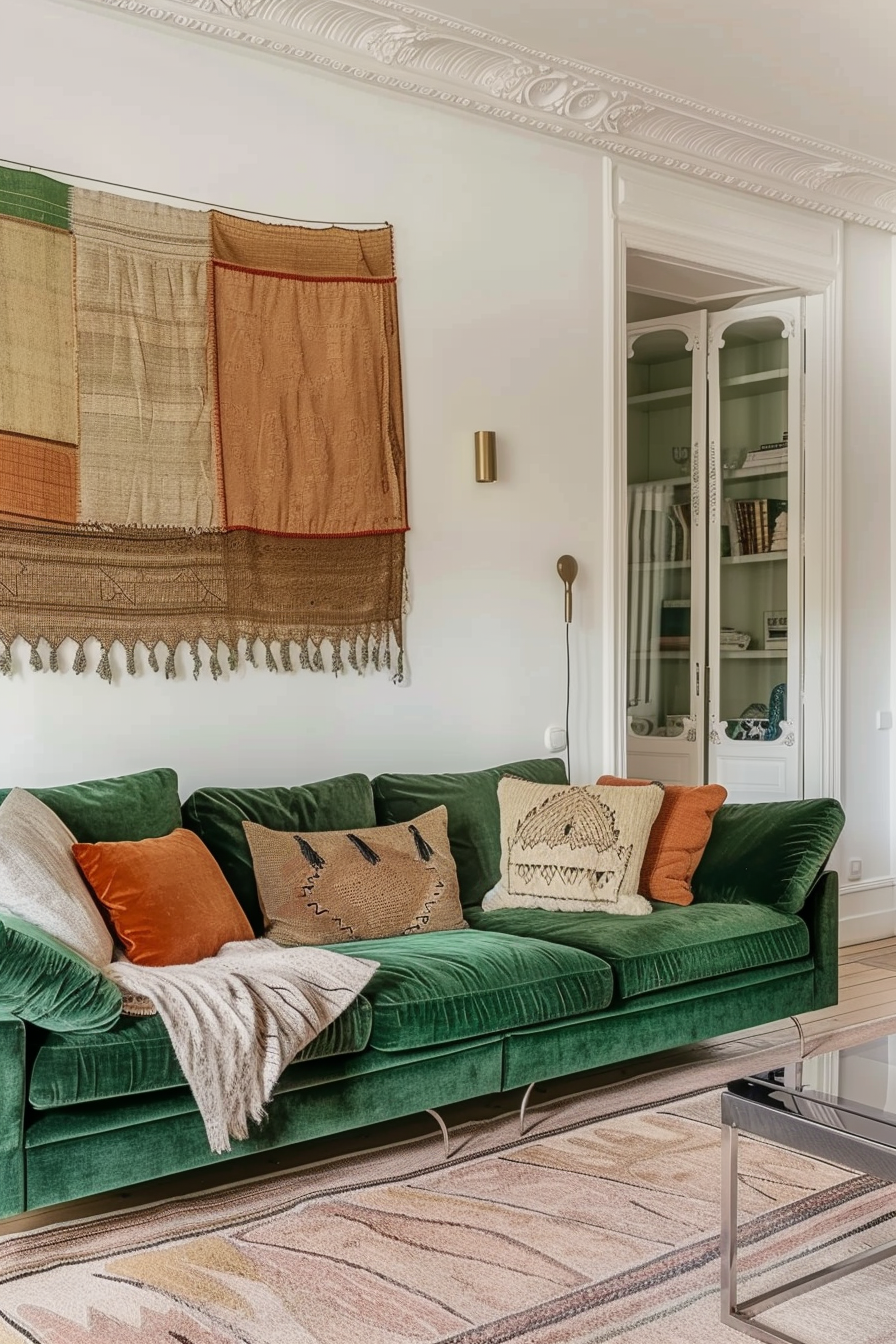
407 50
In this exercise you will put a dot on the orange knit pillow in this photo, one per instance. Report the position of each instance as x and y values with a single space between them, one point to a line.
680 834
167 901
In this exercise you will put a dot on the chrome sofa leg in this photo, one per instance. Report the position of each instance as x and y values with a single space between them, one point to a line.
793 1073
443 1127
525 1102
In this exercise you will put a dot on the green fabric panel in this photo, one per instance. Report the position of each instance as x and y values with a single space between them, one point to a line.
440 987
474 822
12 1113
137 1056
675 945
217 816
770 853
86 1165
49 985
131 807
644 1026
27 195
822 915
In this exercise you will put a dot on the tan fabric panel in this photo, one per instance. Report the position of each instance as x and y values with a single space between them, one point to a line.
147 450
157 584
310 405
38 479
284 247
38 384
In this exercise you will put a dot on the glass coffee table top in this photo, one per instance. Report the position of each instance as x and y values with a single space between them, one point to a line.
839 1107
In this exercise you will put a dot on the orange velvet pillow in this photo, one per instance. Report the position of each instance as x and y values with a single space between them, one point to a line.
680 834
167 901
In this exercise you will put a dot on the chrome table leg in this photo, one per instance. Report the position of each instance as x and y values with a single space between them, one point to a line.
443 1127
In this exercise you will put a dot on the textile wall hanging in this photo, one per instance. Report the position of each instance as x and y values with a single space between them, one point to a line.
201 434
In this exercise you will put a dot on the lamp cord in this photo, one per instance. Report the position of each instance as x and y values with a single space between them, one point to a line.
568 686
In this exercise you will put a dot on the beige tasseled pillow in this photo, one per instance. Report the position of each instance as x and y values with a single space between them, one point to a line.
571 847
318 887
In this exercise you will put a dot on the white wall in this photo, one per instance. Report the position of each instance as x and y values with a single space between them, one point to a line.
868 614
498 242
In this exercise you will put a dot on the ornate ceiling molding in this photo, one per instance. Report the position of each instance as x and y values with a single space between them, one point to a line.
401 48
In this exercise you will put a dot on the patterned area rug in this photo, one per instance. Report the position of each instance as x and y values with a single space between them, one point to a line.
593 1231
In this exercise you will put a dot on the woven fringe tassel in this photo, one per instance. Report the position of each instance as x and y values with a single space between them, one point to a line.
353 654
365 655
104 669
197 661
5 660
54 659
285 655
337 663
130 661
35 660
399 670
213 665
250 652
80 663
270 661
233 657
317 660
387 654
304 661
170 669
153 659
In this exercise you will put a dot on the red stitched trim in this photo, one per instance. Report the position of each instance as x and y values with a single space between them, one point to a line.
317 536
312 279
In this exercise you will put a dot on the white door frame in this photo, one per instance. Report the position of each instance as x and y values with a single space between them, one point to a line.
793 249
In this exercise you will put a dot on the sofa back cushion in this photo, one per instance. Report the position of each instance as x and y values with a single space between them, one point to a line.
769 853
49 985
129 807
474 819
217 816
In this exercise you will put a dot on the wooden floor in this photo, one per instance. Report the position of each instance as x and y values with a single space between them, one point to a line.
866 1010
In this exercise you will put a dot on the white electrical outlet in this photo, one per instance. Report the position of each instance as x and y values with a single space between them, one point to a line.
855 870
884 718
555 738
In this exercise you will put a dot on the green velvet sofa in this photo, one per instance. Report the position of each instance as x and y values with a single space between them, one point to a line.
519 997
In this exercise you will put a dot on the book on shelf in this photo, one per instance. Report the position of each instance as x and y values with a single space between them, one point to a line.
755 526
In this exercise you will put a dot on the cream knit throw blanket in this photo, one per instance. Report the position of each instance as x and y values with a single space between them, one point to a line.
236 1020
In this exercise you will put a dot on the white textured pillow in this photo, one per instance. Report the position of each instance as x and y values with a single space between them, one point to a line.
571 847
40 881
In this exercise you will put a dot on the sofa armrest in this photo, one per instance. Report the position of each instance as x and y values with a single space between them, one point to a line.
822 914
12 1115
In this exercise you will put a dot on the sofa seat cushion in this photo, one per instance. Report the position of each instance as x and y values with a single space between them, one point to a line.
676 945
449 986
136 1056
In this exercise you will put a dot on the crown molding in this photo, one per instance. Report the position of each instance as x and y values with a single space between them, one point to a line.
400 48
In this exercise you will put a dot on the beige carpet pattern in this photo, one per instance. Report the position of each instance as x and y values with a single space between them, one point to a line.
582 1231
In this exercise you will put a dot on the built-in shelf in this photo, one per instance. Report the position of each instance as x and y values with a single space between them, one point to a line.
763 556
674 481
754 473
673 654
747 385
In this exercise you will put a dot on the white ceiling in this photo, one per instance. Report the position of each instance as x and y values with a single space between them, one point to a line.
823 68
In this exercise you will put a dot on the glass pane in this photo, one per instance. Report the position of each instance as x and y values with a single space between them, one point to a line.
659 531
753 581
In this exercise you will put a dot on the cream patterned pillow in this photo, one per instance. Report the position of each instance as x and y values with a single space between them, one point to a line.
319 887
571 847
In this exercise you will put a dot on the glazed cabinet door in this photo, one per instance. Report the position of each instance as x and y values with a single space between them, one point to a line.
754 567
666 474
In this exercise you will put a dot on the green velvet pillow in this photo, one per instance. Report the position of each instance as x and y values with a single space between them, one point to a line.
45 983
474 820
217 816
770 853
131 807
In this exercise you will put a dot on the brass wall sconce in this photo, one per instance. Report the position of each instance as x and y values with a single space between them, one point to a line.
567 568
486 455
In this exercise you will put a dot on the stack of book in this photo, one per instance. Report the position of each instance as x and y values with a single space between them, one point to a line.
731 639
665 534
675 625
756 526
768 455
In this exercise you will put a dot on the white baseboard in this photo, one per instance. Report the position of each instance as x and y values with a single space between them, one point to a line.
867 910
